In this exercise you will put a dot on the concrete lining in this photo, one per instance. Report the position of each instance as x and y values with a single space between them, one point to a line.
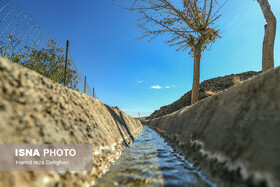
234 135
35 110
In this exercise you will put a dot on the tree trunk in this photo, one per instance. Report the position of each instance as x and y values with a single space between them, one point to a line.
269 36
196 74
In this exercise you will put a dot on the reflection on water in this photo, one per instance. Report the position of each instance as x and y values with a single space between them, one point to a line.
150 161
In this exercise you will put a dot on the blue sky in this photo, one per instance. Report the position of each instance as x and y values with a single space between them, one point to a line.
140 76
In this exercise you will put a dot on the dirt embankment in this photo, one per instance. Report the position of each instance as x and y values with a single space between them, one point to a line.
233 134
206 89
35 110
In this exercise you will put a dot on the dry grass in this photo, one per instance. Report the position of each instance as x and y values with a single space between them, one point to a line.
209 92
236 80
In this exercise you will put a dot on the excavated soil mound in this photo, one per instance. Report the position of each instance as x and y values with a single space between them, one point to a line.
206 89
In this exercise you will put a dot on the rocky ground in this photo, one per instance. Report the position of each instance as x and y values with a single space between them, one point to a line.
206 89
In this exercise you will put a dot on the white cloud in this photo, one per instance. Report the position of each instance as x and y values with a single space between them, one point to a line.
161 87
156 87
140 82
167 87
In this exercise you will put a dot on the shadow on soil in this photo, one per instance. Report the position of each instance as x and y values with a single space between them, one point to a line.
121 124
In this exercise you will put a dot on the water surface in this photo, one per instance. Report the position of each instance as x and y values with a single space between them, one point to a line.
150 161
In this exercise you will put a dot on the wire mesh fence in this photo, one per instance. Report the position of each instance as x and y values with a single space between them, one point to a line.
18 31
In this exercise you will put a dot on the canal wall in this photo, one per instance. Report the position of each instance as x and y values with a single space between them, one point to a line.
35 110
233 135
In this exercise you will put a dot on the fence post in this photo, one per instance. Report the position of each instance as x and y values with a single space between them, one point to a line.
66 59
93 92
85 86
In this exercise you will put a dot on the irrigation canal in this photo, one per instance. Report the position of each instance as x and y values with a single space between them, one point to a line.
150 161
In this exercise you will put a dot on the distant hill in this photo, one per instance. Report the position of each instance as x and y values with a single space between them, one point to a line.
206 89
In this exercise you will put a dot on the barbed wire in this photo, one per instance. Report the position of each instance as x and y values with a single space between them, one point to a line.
14 22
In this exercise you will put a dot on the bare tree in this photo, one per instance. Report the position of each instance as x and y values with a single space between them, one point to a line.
188 25
269 36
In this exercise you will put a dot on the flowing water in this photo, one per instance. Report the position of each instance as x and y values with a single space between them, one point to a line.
150 161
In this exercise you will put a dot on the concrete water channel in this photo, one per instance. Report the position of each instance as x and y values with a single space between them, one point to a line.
150 161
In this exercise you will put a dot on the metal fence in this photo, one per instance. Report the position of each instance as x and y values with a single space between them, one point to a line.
14 22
